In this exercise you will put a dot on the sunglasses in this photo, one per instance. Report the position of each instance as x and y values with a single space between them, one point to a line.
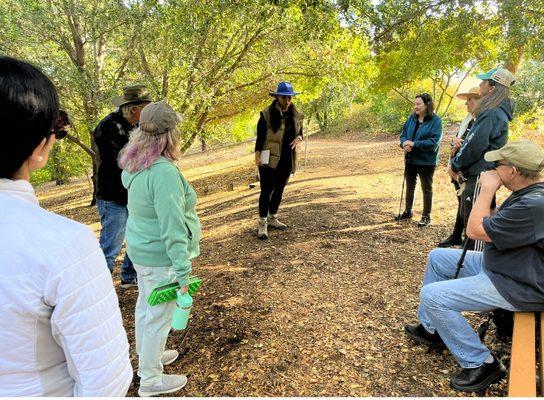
60 130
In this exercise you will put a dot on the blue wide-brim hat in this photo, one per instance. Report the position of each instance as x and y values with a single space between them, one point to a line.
284 89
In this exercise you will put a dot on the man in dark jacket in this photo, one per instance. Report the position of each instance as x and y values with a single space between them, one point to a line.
507 275
489 132
110 136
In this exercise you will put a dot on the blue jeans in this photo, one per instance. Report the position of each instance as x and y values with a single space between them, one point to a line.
442 299
113 218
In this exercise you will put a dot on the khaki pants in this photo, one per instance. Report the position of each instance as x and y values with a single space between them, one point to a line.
152 323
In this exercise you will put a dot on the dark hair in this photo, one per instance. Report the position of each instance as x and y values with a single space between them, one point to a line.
429 105
29 106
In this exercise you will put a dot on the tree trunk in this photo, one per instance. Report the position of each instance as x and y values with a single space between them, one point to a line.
59 171
203 144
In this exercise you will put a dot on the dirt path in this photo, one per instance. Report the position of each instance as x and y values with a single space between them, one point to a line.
317 310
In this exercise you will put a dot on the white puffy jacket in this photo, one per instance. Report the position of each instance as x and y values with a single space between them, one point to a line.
61 331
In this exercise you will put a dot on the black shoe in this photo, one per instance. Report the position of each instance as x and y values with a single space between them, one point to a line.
405 215
129 284
425 220
418 333
478 379
450 242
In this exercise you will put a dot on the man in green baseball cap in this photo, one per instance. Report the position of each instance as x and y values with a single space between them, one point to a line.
507 275
109 137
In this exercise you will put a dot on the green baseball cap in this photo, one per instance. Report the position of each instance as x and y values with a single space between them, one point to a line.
500 75
523 154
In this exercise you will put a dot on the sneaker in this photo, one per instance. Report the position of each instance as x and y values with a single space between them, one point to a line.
168 384
273 222
262 232
418 333
129 284
478 379
405 215
450 241
168 357
425 221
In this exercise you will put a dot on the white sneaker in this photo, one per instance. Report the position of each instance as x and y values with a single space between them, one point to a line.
273 222
168 384
168 357
129 284
262 232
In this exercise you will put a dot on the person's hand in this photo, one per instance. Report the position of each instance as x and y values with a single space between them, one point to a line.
258 162
456 143
184 289
453 175
490 181
294 144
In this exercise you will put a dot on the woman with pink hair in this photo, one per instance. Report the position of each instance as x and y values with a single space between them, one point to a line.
162 234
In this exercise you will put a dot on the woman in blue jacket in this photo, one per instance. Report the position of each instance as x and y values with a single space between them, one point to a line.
420 140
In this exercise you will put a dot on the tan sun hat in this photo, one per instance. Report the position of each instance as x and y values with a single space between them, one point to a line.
158 118
523 154
473 93
133 94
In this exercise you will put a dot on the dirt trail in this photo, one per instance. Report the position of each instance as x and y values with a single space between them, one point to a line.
317 310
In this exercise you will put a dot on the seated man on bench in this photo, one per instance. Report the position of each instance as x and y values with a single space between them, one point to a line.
509 274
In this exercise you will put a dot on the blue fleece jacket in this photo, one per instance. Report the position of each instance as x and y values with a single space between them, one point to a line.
426 140
489 132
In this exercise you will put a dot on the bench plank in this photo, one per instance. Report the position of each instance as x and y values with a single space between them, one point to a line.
522 379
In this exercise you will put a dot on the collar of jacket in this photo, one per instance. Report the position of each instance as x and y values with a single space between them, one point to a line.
118 117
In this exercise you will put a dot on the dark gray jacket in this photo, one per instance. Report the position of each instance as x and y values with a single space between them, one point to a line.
489 132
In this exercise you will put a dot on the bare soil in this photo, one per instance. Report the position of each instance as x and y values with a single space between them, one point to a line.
319 309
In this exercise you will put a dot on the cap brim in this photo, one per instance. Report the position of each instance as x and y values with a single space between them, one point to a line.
121 101
492 156
466 96
483 77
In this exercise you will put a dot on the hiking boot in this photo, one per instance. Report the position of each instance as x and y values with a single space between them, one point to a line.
168 357
273 222
418 333
167 384
451 241
405 215
129 284
262 232
478 379
425 221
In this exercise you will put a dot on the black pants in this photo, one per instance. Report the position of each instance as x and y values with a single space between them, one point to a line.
459 227
273 182
425 173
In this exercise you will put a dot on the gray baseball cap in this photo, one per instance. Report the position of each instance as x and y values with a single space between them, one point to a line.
158 118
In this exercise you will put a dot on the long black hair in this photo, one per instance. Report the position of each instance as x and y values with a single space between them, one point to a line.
29 107
429 105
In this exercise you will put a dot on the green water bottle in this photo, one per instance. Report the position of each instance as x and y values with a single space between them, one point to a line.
184 303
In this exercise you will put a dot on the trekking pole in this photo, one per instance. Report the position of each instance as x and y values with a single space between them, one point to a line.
467 240
402 191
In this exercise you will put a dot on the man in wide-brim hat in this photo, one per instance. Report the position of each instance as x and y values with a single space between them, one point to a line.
110 136
279 132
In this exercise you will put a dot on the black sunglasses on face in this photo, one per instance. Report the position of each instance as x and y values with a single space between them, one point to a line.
60 130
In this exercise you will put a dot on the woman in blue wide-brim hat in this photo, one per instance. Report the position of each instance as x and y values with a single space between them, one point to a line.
279 132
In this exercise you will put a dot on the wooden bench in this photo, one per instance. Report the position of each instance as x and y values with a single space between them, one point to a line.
522 380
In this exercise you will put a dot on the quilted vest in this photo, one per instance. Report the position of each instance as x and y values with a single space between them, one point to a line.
274 141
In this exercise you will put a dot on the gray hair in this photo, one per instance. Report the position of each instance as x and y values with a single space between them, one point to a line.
493 99
531 175
126 109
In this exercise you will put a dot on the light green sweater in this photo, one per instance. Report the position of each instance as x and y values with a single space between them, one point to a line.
162 228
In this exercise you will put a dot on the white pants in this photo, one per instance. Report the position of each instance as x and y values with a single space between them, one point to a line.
152 323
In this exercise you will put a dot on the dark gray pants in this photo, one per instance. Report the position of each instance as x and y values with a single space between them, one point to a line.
425 173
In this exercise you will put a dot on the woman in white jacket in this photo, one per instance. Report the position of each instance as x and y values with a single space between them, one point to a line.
62 331
472 99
